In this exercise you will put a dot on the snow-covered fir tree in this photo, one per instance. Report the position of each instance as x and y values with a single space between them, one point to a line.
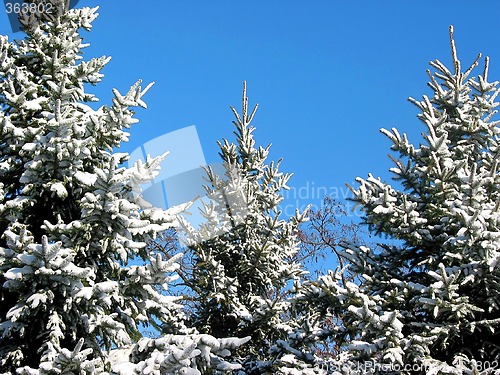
431 298
70 300
244 256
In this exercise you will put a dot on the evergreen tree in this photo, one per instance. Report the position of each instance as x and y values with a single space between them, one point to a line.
70 224
430 299
244 254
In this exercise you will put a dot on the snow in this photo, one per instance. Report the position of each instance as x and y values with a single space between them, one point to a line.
34 105
447 228
86 178
29 147
85 292
18 273
59 189
120 361
383 210
37 298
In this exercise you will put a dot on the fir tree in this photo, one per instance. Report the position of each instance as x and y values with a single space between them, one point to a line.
430 298
70 224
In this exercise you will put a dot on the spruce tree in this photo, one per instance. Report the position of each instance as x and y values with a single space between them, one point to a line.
70 223
430 297
244 254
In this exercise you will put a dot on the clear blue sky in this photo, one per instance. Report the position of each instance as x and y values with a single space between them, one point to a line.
327 74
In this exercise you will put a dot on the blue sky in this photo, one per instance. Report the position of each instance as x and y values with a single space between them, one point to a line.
326 74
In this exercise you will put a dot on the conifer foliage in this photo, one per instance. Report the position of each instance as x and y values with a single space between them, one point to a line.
431 298
78 280
70 223
244 254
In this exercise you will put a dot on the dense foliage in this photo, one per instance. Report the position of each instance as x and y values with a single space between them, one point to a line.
86 268
429 298
69 221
